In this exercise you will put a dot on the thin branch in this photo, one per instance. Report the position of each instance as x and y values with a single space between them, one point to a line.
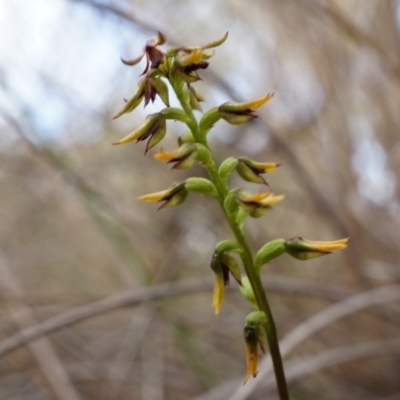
306 366
142 295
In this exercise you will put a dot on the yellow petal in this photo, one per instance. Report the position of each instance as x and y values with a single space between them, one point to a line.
248 105
326 246
268 167
271 200
165 155
254 198
155 197
188 58
251 362
131 137
219 292
257 103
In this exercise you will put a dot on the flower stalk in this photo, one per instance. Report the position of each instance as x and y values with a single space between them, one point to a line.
180 67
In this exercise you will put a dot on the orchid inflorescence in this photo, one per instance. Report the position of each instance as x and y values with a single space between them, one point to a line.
180 66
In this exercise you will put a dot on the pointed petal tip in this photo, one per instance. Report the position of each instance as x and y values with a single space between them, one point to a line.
133 62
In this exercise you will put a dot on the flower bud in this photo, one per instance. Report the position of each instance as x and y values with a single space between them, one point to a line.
231 203
251 170
209 119
175 114
154 128
226 168
172 197
303 249
223 264
204 155
189 59
239 113
246 106
201 185
228 245
254 337
269 251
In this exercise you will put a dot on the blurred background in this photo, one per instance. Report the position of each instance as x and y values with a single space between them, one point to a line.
75 243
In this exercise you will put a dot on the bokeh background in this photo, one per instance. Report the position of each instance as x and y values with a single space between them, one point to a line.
75 243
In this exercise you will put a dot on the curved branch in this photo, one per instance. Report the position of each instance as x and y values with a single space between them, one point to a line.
306 366
138 296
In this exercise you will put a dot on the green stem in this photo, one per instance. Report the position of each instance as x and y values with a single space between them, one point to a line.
246 254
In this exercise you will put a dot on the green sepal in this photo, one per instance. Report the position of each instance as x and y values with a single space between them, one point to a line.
209 119
134 101
256 319
248 174
268 252
151 121
229 262
247 291
172 51
185 91
258 212
210 45
163 68
186 137
161 88
201 185
178 84
194 103
227 167
172 197
203 154
216 43
228 245
195 99
175 114
241 216
236 118
231 203
158 135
